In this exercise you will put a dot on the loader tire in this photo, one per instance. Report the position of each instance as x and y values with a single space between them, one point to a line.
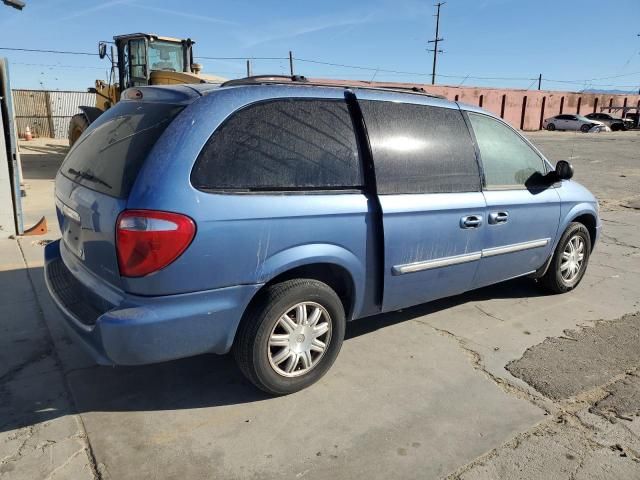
77 125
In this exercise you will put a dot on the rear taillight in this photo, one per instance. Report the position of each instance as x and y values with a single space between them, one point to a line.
148 240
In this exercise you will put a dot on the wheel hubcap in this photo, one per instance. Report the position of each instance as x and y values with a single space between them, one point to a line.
299 339
572 258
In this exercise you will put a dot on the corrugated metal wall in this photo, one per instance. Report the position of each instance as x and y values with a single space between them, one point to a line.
46 112
32 110
64 105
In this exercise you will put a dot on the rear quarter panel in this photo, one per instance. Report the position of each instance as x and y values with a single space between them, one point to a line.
244 238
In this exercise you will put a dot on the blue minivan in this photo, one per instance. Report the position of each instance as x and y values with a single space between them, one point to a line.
261 215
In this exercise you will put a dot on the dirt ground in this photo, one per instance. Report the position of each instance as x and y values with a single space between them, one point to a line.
505 382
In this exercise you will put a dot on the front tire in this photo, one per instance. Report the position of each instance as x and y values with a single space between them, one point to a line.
585 128
551 127
290 336
570 260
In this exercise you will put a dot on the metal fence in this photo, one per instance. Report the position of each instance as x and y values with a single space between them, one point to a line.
47 112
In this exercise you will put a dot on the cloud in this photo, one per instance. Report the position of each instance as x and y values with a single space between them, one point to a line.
101 6
298 27
133 3
179 13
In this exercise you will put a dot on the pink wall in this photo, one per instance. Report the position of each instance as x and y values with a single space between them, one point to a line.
516 111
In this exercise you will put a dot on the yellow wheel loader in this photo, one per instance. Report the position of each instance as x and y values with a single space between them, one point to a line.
139 59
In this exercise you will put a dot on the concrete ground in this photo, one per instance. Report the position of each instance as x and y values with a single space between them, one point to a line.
503 382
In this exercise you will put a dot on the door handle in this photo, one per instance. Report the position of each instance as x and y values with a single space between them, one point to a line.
496 218
471 221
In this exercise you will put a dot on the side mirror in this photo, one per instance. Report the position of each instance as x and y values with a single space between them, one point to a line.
102 50
564 170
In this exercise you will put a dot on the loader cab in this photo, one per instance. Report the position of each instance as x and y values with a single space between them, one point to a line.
139 54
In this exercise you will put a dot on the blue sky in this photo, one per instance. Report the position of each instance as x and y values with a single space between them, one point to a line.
509 41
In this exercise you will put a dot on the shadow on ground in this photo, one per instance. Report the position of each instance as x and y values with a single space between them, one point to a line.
41 161
27 395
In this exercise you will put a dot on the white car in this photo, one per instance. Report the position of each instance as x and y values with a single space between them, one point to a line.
614 123
573 122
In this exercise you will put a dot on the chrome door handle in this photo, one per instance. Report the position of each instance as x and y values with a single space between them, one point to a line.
471 221
498 217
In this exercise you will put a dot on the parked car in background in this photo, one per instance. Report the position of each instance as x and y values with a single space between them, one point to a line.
614 123
259 217
633 118
570 122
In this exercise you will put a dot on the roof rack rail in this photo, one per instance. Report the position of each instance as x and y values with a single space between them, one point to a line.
259 79
301 79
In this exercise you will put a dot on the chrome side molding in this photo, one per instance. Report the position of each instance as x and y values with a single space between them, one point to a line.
467 257
437 263
515 247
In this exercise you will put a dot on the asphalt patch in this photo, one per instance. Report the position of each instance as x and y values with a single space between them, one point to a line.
623 399
581 360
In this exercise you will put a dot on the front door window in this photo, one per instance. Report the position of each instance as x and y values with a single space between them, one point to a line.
508 161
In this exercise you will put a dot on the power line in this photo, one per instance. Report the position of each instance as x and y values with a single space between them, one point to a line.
592 84
242 58
465 77
62 52
400 72
56 66
531 84
342 65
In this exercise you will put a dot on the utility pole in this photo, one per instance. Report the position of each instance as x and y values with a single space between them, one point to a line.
435 42
291 63
540 82
248 68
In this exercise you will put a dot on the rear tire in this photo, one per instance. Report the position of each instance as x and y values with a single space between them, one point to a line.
570 260
77 125
551 127
278 344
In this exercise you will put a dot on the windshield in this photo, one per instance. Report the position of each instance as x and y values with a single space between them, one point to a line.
166 56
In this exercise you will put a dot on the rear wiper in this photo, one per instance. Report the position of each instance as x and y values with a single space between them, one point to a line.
88 176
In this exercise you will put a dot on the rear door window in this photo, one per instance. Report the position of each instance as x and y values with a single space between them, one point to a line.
109 155
420 149
282 145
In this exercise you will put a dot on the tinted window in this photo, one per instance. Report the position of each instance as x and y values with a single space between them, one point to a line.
506 158
282 145
109 155
420 149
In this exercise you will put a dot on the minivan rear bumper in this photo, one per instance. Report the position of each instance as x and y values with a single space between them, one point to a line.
141 330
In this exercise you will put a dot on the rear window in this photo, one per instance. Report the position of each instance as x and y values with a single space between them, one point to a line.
287 145
109 156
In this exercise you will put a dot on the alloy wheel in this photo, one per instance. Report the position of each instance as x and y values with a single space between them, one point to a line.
572 258
299 339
